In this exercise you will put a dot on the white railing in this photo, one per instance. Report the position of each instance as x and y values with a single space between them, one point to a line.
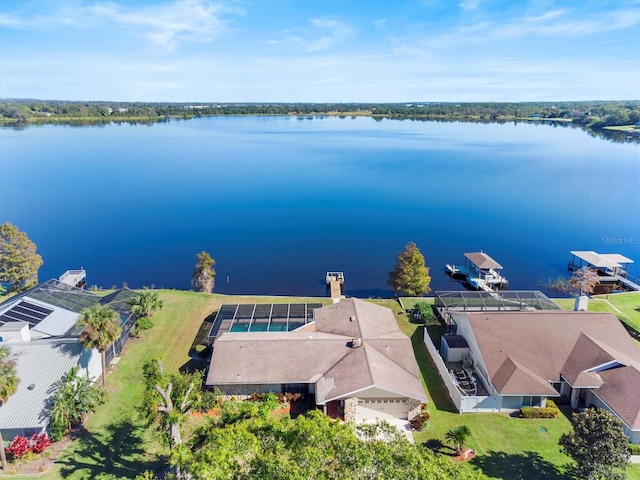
464 403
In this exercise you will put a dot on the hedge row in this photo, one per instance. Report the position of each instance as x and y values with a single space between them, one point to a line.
550 411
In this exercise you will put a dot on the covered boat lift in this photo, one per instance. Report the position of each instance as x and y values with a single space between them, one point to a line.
480 271
611 267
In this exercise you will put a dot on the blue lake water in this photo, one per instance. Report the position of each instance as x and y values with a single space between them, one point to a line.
278 201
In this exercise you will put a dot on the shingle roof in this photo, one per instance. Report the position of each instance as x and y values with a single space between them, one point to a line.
524 350
325 356
40 364
621 391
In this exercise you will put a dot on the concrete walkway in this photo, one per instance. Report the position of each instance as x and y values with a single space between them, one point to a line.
635 459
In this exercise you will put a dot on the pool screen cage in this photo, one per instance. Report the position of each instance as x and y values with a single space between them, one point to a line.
508 300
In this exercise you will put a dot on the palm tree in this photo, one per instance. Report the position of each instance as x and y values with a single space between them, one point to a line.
145 303
458 436
101 327
8 385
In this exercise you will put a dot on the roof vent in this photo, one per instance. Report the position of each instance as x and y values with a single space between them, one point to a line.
356 342
31 387
352 318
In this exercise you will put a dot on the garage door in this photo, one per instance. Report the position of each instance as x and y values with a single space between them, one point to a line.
382 409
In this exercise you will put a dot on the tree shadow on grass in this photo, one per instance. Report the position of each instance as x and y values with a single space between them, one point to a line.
525 465
117 450
438 446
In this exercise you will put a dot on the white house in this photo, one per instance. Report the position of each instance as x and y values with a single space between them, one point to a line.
39 328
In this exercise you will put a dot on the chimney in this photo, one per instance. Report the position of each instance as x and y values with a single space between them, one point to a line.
582 304
356 342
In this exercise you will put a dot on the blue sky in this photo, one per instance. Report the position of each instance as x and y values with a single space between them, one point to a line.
320 50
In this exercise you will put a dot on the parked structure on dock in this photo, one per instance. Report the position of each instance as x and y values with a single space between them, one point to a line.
480 272
612 269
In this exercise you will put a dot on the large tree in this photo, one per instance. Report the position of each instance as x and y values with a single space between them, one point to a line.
8 384
597 444
19 262
410 277
203 278
100 328
145 303
311 446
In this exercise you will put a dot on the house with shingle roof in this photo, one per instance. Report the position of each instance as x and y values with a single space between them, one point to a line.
353 356
521 358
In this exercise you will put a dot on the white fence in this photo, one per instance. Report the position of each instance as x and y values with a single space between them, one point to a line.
464 403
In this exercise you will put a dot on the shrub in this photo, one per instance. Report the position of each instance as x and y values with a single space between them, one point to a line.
39 442
144 323
19 447
535 412
208 401
634 449
424 311
58 429
418 422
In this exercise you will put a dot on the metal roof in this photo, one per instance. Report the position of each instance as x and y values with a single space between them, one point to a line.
38 364
602 260
482 260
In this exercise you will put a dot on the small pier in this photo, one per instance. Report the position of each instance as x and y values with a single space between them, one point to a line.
480 272
612 269
335 284
74 278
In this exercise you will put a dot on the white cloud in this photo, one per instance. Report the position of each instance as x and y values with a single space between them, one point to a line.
169 24
337 32
560 23
469 4
166 24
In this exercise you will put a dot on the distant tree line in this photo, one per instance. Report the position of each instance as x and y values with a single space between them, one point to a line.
593 115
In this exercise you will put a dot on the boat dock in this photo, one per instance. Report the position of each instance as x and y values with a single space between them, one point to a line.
335 284
480 272
612 268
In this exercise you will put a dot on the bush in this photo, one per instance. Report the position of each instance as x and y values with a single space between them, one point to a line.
418 422
57 429
208 401
19 447
39 443
536 412
424 311
144 323
634 449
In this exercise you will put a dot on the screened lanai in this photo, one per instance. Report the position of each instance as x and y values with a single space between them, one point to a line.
270 317
465 301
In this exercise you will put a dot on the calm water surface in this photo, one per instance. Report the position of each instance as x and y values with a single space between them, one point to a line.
278 201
